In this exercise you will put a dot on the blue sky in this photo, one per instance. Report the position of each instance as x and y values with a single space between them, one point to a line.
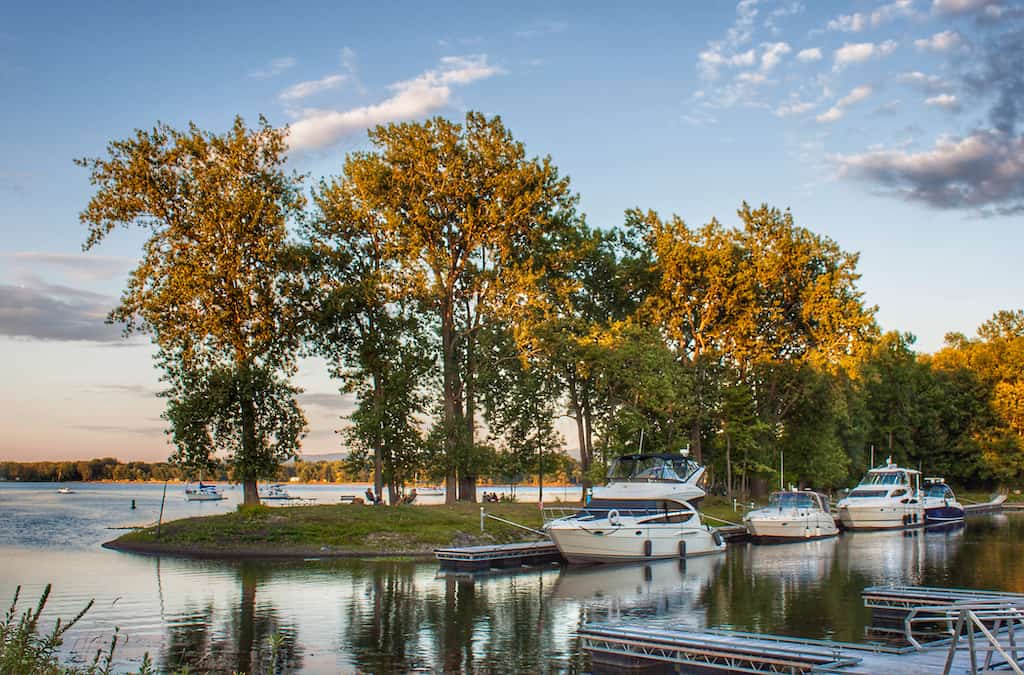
892 127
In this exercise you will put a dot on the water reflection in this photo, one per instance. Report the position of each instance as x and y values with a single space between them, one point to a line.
386 616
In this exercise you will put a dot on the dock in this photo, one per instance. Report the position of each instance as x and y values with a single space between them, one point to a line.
498 556
979 632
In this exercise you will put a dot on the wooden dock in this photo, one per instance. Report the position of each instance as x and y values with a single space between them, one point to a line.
979 632
500 556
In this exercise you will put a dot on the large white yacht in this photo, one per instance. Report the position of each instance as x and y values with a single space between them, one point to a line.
790 516
647 510
888 497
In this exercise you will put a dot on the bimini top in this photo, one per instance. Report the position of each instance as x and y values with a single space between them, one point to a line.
648 467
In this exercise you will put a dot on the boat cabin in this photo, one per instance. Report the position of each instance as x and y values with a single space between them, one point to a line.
648 468
888 481
804 501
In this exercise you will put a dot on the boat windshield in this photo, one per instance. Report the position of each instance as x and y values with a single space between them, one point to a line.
939 490
886 478
792 500
652 467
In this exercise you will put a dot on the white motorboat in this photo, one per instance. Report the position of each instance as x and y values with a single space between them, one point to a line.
790 516
431 491
888 497
204 492
647 510
65 491
940 504
275 491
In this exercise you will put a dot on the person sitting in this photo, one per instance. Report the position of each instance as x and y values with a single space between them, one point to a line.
410 497
370 498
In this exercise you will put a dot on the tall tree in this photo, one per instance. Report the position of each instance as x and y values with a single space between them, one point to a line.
211 286
372 336
464 209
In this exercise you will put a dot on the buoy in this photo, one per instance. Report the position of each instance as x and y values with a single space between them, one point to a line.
133 503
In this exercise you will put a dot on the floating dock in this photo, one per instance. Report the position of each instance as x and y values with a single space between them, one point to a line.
983 633
479 558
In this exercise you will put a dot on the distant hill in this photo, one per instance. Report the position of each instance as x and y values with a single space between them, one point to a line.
326 457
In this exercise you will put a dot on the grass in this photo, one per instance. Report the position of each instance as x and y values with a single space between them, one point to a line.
333 529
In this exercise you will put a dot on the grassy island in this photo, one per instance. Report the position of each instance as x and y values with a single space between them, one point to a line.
331 531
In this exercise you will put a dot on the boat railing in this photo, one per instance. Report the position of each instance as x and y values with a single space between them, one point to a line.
987 628
553 513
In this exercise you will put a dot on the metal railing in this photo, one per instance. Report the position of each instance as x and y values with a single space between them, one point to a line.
988 627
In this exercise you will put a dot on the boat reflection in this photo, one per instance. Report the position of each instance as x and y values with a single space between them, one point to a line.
669 590
899 556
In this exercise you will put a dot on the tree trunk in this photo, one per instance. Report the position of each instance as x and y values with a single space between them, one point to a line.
467 473
251 496
695 449
449 392
378 450
728 466
581 435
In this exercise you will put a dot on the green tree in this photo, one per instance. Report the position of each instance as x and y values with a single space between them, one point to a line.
211 287
463 208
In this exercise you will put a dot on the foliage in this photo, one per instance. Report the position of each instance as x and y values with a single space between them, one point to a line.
211 286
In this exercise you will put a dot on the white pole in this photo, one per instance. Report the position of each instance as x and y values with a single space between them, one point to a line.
782 469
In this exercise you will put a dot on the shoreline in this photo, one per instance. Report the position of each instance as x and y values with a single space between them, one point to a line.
161 549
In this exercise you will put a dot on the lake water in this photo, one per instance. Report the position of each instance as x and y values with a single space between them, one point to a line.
386 616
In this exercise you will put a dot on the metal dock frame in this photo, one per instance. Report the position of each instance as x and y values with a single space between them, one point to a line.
477 558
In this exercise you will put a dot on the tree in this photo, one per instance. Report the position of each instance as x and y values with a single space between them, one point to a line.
211 287
372 336
463 209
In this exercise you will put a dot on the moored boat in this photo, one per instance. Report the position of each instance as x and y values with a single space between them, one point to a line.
792 516
940 504
888 497
65 491
204 492
275 491
647 510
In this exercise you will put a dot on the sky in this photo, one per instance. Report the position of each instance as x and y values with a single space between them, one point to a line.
895 128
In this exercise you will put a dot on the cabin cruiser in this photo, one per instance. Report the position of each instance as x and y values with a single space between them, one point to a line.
65 491
204 492
790 516
888 497
647 510
275 491
940 504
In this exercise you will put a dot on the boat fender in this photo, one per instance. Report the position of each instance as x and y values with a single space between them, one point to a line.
613 517
915 517
682 550
647 548
717 536
906 519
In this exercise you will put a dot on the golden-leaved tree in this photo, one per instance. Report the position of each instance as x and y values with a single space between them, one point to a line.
211 287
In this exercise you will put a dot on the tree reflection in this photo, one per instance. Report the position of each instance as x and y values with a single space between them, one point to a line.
253 638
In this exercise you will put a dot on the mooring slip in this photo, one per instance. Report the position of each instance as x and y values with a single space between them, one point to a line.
473 558
898 600
616 648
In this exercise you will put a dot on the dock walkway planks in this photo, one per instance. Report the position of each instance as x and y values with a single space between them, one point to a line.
470 558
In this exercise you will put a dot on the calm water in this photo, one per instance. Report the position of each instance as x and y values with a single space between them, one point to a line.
350 616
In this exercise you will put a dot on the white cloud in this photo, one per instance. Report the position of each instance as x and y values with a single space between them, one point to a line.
773 53
275 67
926 83
856 95
940 42
945 101
303 90
751 78
831 115
859 52
726 52
849 23
424 94
961 6
794 108
892 11
809 55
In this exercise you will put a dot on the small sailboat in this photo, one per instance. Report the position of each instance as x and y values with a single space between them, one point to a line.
203 492
790 516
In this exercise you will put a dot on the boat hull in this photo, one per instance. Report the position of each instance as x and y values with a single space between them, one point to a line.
775 530
881 516
940 515
602 543
204 497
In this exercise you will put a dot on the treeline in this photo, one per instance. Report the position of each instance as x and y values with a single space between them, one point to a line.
563 470
452 286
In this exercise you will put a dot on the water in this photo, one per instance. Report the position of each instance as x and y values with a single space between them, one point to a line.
386 616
